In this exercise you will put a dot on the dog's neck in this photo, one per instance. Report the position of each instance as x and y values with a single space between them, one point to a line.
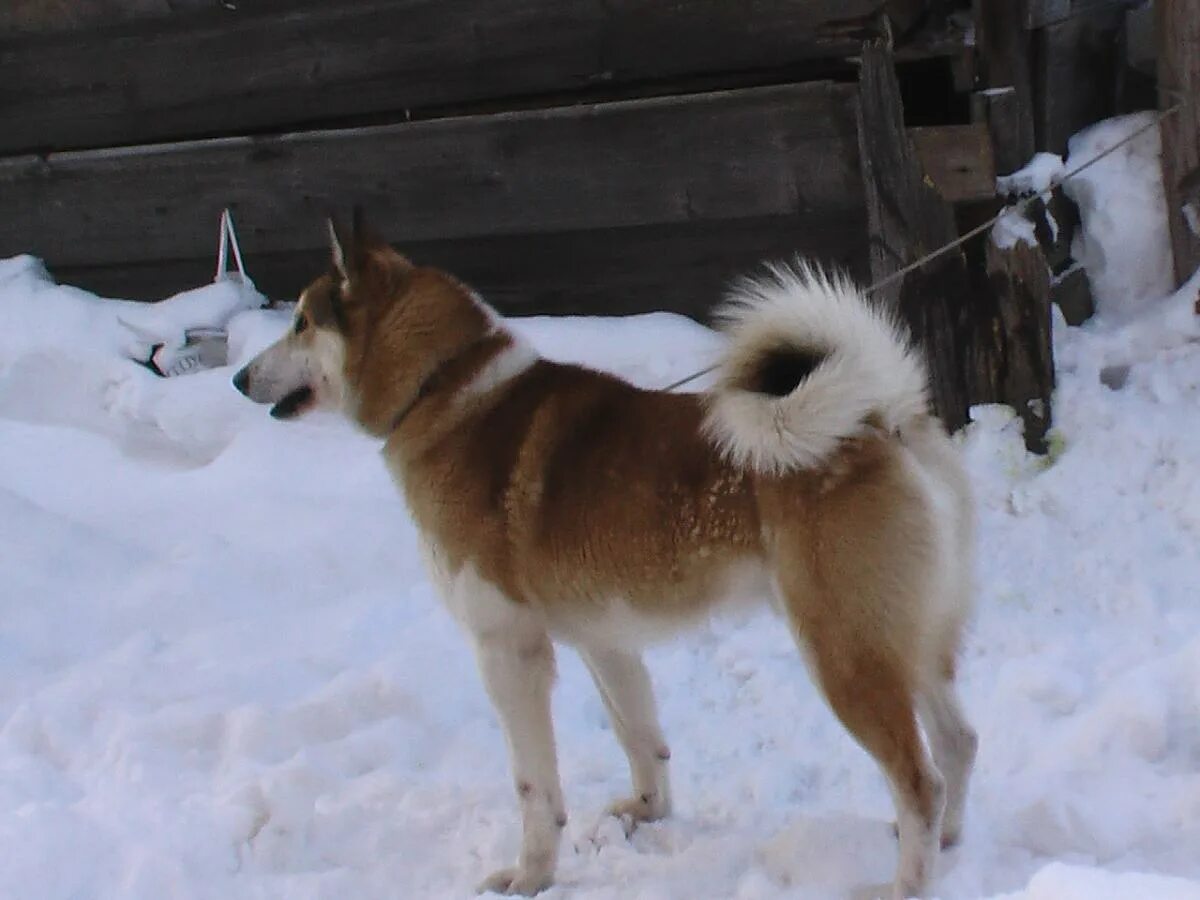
471 372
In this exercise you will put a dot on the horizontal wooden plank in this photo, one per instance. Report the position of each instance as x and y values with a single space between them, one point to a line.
283 64
679 268
788 150
958 160
43 16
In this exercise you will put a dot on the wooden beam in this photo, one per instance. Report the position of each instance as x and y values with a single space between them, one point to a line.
908 218
958 160
284 64
1178 27
678 268
1005 58
48 16
787 150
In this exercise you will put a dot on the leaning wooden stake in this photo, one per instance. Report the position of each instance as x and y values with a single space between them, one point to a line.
1178 27
907 218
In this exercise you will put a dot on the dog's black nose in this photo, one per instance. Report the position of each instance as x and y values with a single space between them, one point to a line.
241 380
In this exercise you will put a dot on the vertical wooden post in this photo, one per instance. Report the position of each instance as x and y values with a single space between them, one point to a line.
985 328
1005 52
1178 26
1013 359
908 218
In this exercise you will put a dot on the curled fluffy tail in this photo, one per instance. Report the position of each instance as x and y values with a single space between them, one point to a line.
810 363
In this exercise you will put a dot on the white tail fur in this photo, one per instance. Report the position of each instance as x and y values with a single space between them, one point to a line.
810 361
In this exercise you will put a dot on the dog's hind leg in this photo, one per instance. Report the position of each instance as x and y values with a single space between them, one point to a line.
624 686
517 663
855 610
869 694
953 742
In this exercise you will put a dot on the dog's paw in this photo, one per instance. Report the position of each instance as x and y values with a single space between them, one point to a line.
523 882
632 811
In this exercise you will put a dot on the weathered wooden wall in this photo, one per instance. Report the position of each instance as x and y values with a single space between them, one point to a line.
283 64
641 154
588 176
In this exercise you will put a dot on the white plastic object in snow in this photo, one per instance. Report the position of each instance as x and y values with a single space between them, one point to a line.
186 332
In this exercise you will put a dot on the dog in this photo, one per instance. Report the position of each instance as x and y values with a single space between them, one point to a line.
558 503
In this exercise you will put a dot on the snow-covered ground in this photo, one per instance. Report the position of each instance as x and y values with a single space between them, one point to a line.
223 673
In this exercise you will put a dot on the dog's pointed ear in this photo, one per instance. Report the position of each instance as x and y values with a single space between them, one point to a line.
338 245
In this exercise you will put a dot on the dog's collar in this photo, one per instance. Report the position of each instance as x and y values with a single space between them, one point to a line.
434 379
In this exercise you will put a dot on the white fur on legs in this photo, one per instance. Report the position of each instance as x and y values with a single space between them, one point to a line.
953 742
919 831
516 660
518 670
624 686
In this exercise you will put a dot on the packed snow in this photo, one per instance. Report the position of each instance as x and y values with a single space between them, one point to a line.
1125 244
223 672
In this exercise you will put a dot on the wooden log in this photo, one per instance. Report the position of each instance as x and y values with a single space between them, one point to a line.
907 219
787 150
1005 61
1021 359
285 64
1178 27
1014 356
678 268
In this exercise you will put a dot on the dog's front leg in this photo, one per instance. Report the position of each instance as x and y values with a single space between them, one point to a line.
517 664
624 686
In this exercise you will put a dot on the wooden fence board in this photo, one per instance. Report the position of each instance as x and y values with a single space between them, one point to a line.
279 65
788 150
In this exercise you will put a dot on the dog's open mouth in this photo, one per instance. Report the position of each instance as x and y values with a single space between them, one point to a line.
294 403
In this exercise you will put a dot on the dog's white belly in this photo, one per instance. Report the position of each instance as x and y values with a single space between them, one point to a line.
615 621
481 608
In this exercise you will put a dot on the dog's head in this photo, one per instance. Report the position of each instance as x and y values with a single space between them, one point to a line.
365 337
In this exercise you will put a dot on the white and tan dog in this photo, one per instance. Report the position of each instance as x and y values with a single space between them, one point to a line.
560 503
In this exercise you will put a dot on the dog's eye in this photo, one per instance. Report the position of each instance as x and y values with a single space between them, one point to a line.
301 324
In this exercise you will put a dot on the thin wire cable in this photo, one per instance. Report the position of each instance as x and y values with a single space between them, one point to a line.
1017 207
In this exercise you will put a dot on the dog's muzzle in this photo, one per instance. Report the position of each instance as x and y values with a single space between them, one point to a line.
241 381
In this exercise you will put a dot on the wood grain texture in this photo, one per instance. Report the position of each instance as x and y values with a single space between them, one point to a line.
1013 361
1005 55
1076 68
678 268
723 156
283 64
907 219
958 160
1178 26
